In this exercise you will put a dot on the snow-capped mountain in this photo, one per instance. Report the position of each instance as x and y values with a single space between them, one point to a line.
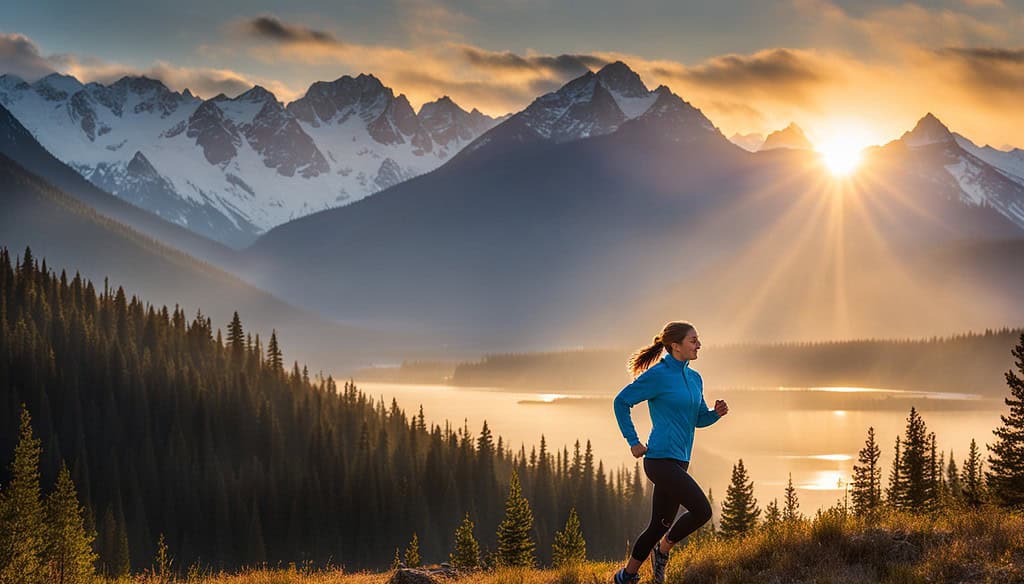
983 176
792 136
596 104
231 168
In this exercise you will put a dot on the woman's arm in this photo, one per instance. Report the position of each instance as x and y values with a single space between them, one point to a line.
705 416
643 388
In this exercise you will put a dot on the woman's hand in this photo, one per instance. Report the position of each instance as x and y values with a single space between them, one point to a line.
721 408
638 450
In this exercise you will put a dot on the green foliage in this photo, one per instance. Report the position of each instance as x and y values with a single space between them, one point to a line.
914 486
275 358
569 547
867 478
1005 475
412 552
22 519
164 429
739 510
515 540
69 554
972 478
466 552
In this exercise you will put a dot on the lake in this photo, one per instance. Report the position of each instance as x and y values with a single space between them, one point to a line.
813 433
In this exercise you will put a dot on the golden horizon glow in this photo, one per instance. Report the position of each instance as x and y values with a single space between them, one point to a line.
842 157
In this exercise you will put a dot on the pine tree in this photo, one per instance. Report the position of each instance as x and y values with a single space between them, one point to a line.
1005 474
953 479
466 552
275 359
569 547
971 481
69 556
515 542
867 477
739 510
791 510
396 562
916 488
236 338
772 515
895 489
412 552
21 528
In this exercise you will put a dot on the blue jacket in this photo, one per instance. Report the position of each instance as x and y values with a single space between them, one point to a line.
675 398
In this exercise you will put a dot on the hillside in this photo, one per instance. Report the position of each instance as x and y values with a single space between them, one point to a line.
76 238
172 426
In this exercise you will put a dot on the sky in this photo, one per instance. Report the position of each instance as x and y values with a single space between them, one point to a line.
865 69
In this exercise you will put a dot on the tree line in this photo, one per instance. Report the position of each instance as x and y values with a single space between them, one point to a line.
173 432
918 364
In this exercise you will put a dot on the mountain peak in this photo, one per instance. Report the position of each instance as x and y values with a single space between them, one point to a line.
12 81
792 136
257 94
929 130
618 78
57 86
751 142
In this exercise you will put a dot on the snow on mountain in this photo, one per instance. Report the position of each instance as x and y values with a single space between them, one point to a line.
792 136
590 105
596 104
231 168
984 176
1009 163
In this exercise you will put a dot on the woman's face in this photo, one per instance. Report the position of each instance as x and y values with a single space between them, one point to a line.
687 350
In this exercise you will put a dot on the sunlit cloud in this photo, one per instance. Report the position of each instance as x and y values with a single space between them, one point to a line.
21 57
561 65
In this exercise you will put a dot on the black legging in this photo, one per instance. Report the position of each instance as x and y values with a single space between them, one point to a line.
672 486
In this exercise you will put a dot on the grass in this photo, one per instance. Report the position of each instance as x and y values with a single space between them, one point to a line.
984 545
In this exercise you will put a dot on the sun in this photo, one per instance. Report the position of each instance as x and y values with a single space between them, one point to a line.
841 156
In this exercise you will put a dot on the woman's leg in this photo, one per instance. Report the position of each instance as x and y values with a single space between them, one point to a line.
698 509
664 506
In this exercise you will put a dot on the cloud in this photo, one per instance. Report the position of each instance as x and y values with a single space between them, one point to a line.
992 56
271 28
20 56
775 70
990 76
560 65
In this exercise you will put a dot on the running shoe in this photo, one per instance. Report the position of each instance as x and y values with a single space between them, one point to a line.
622 577
658 562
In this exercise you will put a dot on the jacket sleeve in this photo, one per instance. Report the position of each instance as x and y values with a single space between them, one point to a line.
705 416
643 388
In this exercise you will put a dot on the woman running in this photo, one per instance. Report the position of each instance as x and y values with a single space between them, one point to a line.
675 397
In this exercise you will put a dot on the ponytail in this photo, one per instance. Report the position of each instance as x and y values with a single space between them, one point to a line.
642 359
674 332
